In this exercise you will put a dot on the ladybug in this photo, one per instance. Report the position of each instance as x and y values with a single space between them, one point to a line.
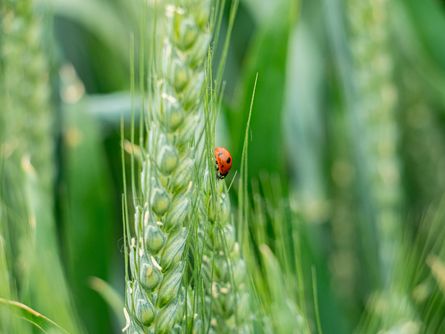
223 161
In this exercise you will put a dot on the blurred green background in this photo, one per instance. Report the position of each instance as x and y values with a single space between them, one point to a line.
346 147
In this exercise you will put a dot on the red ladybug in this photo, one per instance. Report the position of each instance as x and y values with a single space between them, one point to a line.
223 161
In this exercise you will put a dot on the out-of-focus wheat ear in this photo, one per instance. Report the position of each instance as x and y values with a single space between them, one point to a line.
27 162
375 114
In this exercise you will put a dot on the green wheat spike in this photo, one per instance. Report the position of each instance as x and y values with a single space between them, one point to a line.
163 217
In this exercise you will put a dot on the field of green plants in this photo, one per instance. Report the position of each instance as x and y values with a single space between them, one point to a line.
115 211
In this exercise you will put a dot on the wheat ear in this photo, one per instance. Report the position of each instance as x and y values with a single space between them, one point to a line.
155 300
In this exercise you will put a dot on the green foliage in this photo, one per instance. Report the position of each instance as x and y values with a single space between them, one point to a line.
330 221
89 223
27 166
36 319
266 55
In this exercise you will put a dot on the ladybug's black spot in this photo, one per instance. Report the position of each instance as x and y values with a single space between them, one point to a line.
228 160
